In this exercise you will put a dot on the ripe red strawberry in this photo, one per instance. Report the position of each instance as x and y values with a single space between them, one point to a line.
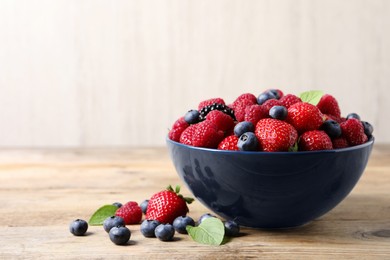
130 212
275 135
329 105
229 143
223 121
254 113
304 117
353 130
314 140
339 142
186 136
167 205
210 101
207 135
289 100
270 103
177 129
239 105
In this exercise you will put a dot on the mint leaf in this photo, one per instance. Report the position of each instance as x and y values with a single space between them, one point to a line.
312 97
210 232
101 214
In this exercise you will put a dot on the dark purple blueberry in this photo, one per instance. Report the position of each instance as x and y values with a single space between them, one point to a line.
117 204
368 128
148 226
120 235
248 142
353 115
278 112
192 116
78 227
164 232
232 229
144 206
332 128
275 92
180 223
113 221
243 127
264 97
205 216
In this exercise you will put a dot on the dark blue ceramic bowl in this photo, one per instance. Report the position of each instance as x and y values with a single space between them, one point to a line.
270 190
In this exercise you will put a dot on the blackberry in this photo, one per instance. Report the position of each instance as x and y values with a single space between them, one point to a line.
215 106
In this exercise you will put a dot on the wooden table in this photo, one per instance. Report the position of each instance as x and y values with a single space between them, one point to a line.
42 191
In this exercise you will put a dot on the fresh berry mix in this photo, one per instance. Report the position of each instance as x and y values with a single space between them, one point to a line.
280 122
148 226
131 212
78 227
119 235
164 232
180 223
113 221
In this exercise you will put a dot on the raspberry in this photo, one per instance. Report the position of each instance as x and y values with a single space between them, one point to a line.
289 100
275 135
254 113
224 122
229 143
207 135
332 117
239 105
314 140
304 117
186 136
210 101
353 131
271 103
130 212
339 142
177 129
329 105
246 96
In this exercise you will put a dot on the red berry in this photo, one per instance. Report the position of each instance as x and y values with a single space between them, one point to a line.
314 140
130 212
254 113
167 205
339 142
332 117
329 105
271 103
289 100
239 105
207 135
177 129
246 96
210 101
186 136
353 131
223 121
304 117
275 135
229 143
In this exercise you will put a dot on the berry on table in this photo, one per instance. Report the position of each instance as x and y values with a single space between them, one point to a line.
248 142
164 232
180 223
278 112
148 226
117 204
243 127
78 227
130 212
119 235
111 222
192 116
144 206
332 128
205 216
232 229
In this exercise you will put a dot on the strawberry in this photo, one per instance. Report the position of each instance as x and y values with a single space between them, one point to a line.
130 212
289 100
304 117
329 105
223 121
254 113
210 101
339 142
239 105
207 135
167 205
275 135
270 103
186 136
353 131
229 143
314 140
177 128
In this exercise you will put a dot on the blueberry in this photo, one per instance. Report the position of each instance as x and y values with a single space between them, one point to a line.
164 232
264 97
180 223
117 204
232 229
148 227
275 92
278 112
111 222
205 216
353 115
78 227
368 128
144 206
119 235
192 116
332 128
243 127
248 142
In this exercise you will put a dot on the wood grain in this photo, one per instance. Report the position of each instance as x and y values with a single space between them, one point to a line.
43 190
90 73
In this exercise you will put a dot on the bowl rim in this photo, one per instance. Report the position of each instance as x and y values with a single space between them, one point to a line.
369 142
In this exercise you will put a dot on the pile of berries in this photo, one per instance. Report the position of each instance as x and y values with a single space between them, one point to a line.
271 122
